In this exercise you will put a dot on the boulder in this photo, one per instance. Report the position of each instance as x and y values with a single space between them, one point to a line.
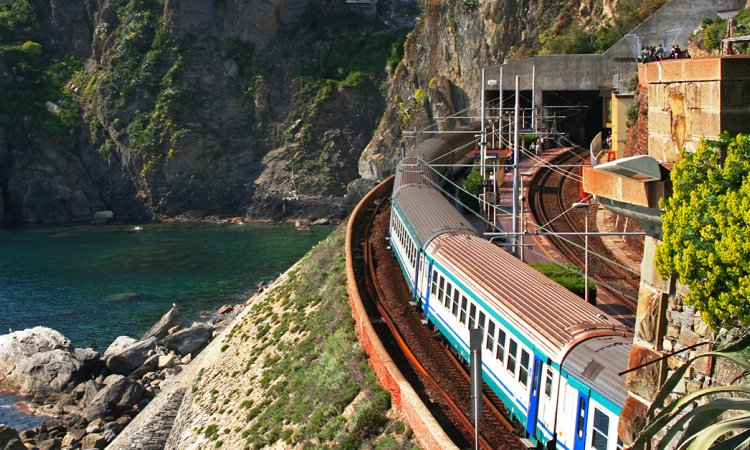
118 345
88 357
72 437
94 440
115 398
18 346
169 320
150 365
50 444
191 340
166 361
103 217
84 393
131 357
54 370
225 309
9 439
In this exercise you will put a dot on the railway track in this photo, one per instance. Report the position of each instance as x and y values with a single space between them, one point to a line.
551 193
444 381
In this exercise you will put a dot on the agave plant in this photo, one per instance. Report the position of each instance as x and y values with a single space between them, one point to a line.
722 423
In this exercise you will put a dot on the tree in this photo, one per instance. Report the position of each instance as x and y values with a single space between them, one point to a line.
473 182
706 230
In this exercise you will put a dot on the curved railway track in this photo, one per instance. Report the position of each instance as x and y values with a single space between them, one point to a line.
445 382
549 193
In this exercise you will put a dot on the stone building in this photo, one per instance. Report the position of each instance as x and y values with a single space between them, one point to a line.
688 100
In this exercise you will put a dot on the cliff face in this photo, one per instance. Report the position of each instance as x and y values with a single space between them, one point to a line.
163 108
189 107
441 72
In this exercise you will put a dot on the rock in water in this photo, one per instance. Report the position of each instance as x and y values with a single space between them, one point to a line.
36 358
131 357
55 370
171 319
190 340
118 345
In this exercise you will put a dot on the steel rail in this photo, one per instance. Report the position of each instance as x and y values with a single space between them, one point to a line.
539 183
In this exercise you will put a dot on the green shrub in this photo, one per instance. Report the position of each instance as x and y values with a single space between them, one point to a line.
706 238
569 277
473 182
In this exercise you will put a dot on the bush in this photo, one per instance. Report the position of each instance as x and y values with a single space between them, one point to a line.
473 182
569 277
706 229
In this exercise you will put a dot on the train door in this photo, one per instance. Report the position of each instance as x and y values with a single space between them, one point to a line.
431 278
417 265
536 381
581 417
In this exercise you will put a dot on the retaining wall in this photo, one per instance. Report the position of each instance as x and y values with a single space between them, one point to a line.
427 430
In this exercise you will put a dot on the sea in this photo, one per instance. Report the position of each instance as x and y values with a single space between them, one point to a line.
95 283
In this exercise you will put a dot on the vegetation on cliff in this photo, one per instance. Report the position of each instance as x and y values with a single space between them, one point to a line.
598 36
706 229
35 100
708 37
292 371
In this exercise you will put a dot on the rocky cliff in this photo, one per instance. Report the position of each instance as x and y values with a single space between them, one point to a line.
185 107
166 108
440 74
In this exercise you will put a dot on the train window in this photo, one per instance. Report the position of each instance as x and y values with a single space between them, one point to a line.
548 383
500 353
480 325
512 349
601 428
523 372
441 287
464 303
472 316
434 282
454 306
448 294
490 335
581 416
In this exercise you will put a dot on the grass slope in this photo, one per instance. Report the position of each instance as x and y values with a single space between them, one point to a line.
292 373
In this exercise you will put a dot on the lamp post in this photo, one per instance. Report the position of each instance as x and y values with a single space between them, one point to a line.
585 206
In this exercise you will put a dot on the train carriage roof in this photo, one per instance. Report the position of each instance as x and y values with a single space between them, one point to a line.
413 170
428 213
432 150
552 317
598 361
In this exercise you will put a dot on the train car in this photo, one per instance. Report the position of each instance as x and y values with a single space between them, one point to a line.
550 357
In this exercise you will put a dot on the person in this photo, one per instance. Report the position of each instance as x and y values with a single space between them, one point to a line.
659 52
645 57
609 141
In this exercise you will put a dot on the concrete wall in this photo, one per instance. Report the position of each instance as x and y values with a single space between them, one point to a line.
686 15
564 72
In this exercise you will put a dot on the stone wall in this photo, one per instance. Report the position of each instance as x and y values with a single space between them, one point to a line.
688 100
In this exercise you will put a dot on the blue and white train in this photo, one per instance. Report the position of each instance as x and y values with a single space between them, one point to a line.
552 358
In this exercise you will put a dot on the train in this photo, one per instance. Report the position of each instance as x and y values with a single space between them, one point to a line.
552 359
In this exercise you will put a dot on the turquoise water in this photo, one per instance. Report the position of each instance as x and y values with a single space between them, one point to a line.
94 283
